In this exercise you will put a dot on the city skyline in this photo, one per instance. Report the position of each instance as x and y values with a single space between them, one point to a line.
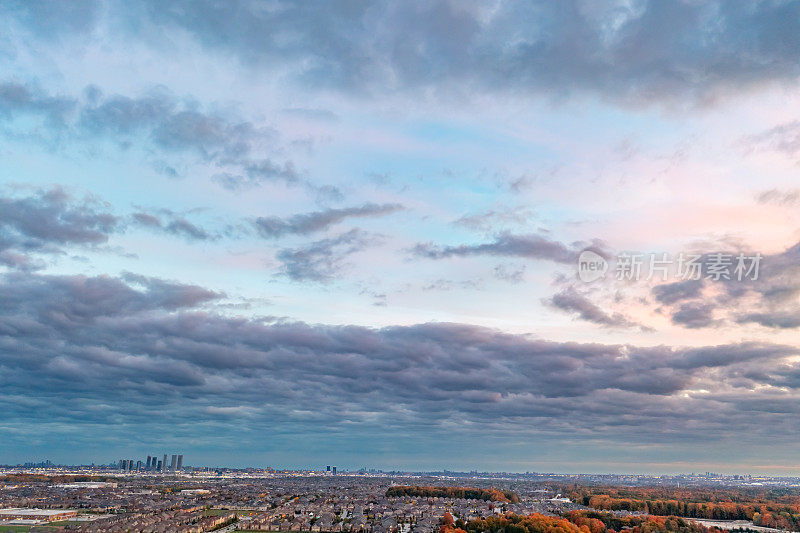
139 467
417 235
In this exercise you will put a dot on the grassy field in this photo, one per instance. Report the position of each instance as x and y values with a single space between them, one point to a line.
218 512
215 512
17 529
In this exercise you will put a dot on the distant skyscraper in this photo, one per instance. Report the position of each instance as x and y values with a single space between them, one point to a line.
328 468
174 462
122 464
334 470
158 466
148 462
138 465
180 462
154 462
164 464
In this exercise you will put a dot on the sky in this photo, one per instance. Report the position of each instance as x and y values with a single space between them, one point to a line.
294 234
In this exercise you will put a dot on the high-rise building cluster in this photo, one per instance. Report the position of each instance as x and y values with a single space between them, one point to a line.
153 464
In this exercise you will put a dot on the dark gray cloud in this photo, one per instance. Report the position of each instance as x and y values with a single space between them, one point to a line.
53 222
17 99
123 115
695 315
140 348
303 224
169 222
168 122
669 293
161 123
69 301
322 260
506 245
147 220
173 125
20 261
49 216
181 226
775 319
571 301
771 300
48 221
639 52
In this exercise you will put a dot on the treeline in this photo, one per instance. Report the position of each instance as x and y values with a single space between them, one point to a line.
774 508
469 493
598 522
575 522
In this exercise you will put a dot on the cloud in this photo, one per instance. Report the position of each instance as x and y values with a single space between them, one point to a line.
181 226
48 221
139 346
322 260
174 225
170 295
50 217
256 173
509 274
161 123
442 284
635 53
695 315
123 115
17 99
272 227
148 220
495 220
709 303
172 125
53 222
783 138
571 301
775 319
779 197
669 293
53 22
70 301
505 245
